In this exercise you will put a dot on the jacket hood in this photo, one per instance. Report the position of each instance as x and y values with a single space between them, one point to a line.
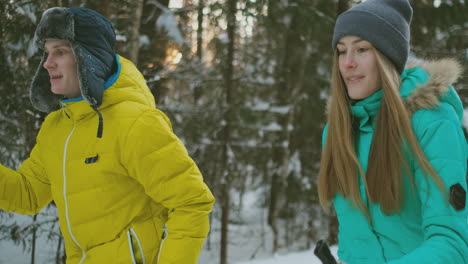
433 84
128 84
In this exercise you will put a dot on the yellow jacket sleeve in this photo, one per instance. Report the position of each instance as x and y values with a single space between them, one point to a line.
156 158
27 190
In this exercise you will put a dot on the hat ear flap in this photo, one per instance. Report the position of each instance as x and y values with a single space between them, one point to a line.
40 94
91 83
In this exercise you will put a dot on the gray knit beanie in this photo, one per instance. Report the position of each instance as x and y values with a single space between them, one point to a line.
384 23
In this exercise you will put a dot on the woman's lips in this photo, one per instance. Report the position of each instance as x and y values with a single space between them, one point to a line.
354 79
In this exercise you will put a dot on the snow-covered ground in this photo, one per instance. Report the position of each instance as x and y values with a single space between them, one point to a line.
304 257
12 254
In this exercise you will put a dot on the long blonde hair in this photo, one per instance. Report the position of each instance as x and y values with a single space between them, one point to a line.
392 144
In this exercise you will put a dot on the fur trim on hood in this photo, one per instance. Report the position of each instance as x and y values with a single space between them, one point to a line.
443 73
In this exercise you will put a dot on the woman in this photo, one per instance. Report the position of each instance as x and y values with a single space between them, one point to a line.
394 157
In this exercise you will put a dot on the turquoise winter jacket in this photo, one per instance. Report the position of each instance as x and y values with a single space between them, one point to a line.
428 229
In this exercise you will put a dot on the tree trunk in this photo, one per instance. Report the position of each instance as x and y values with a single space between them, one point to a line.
101 6
155 53
197 90
287 225
33 242
58 259
332 228
208 240
273 209
290 75
343 5
288 85
134 43
279 181
104 8
201 5
225 208
228 79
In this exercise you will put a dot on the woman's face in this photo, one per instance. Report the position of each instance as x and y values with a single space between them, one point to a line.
358 67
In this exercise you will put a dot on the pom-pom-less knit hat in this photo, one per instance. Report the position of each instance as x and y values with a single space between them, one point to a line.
384 23
92 39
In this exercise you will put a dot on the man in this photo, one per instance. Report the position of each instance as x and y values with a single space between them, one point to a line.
125 188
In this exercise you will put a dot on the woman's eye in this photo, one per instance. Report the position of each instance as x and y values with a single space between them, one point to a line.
362 50
341 52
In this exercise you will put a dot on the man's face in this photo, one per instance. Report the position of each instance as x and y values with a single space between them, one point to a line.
62 68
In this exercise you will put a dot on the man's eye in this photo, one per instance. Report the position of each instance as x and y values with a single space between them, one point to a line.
57 52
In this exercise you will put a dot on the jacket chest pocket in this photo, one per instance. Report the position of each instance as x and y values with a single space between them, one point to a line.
99 169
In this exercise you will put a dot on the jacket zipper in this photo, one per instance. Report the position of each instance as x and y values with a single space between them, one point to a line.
132 234
65 196
165 235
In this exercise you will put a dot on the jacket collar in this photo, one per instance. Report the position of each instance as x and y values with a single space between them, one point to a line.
76 109
364 110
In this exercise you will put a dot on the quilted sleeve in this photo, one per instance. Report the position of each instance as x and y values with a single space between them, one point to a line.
156 158
444 218
27 190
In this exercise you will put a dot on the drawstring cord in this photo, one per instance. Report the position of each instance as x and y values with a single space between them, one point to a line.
101 123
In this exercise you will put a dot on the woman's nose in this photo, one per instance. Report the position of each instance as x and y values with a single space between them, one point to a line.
349 60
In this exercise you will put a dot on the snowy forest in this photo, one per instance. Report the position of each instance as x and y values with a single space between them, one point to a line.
245 84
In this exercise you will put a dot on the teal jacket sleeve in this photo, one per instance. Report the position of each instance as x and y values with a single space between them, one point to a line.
445 228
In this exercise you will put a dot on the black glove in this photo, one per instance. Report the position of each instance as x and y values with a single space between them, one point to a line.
323 253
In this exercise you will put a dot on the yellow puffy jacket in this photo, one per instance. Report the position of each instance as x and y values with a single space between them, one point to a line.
132 196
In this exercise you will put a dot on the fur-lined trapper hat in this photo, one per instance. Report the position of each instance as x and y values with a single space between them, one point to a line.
92 40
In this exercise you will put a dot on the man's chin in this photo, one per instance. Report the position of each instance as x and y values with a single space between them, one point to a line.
56 91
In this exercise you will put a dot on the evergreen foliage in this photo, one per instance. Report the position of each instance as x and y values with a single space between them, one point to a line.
278 88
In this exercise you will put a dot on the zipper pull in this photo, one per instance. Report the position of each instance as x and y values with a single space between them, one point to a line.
63 106
164 234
